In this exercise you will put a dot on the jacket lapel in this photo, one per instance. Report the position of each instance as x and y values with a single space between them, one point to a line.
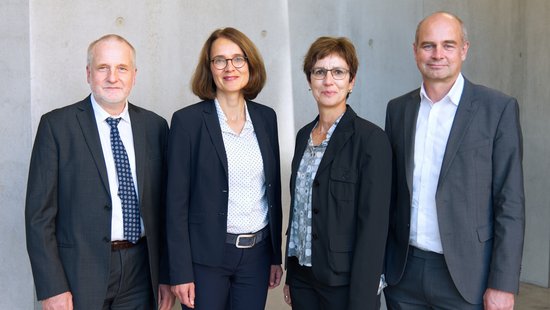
88 125
339 138
409 128
263 138
213 126
140 146
463 118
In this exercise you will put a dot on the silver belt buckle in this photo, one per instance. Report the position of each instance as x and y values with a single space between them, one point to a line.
238 242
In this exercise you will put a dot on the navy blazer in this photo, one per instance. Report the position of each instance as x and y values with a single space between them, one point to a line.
197 186
350 204
68 206
480 200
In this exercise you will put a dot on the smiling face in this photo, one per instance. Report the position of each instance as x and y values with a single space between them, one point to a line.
328 92
230 79
111 73
440 48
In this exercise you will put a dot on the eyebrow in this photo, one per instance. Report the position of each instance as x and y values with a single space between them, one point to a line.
234 55
444 42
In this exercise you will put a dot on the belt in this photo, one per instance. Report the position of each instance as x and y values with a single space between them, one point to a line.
414 251
246 241
124 244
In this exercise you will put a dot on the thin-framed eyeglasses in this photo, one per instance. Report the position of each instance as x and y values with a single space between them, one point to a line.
220 63
321 73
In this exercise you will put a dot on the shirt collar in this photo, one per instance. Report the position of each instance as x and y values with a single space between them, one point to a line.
223 118
101 114
454 94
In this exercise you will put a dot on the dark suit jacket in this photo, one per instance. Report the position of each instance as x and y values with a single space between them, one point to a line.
197 192
350 204
68 207
479 198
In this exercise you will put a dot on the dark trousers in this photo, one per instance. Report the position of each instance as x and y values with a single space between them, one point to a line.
426 284
307 293
130 283
240 283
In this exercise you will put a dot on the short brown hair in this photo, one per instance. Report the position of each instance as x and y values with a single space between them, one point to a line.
325 46
202 83
108 37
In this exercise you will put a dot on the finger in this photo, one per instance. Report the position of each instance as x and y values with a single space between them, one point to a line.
192 295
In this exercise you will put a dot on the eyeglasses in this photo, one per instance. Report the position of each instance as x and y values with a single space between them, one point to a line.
321 73
220 62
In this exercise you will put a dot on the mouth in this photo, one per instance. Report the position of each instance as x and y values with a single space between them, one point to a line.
230 78
329 93
436 66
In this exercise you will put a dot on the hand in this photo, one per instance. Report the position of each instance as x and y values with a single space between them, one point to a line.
63 301
275 276
185 293
498 300
166 298
286 295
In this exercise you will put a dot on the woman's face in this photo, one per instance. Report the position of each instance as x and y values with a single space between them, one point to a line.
328 91
229 79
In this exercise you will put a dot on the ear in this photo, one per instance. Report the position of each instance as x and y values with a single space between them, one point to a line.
88 74
464 51
352 82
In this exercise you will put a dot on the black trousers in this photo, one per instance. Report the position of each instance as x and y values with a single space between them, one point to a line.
307 293
130 282
240 283
426 284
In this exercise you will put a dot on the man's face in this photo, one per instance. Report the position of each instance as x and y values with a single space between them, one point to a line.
440 49
111 73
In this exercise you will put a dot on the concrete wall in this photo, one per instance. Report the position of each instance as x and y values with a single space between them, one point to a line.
15 138
535 109
43 52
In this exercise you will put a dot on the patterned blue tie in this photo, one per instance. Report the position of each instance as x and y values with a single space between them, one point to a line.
126 189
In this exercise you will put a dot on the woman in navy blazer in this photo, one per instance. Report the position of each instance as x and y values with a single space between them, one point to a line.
223 189
340 192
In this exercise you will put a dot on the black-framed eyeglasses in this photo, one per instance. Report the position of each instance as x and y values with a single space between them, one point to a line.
220 62
321 73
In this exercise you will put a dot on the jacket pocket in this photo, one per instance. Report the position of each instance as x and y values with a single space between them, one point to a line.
341 251
342 183
485 233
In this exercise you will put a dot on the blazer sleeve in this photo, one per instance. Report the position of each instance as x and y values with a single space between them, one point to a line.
164 276
178 187
372 222
508 202
277 211
40 215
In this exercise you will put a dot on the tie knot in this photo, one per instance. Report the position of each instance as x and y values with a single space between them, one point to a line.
113 122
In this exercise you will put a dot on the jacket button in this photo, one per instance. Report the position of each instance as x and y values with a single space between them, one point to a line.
107 207
315 183
314 236
315 210
106 239
224 191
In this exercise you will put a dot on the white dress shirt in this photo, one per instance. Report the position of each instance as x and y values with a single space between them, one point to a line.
433 126
247 204
125 131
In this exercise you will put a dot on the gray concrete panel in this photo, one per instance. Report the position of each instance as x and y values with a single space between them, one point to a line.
15 137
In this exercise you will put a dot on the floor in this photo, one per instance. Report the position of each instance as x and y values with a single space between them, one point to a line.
532 297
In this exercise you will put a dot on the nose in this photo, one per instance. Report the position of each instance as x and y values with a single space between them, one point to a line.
229 61
437 52
113 76
329 79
